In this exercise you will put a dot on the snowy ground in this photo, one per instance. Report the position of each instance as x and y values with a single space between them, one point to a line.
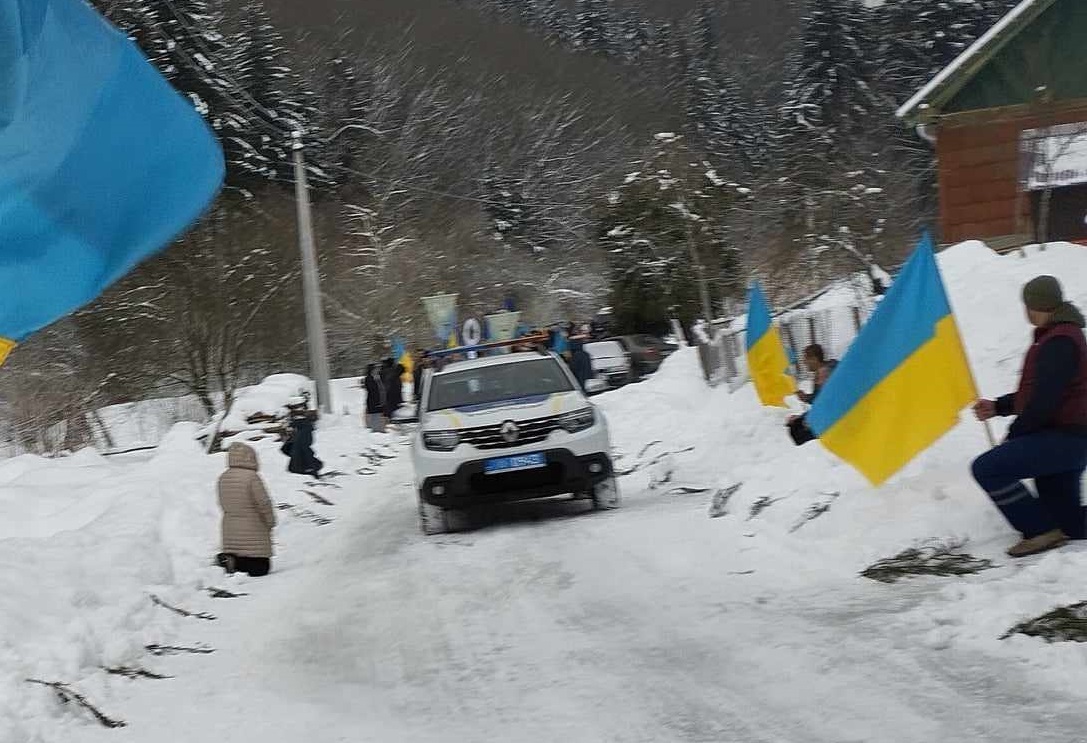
545 623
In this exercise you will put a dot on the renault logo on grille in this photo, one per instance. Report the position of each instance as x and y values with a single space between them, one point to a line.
510 432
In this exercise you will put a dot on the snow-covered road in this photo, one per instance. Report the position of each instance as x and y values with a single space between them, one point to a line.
543 623
546 623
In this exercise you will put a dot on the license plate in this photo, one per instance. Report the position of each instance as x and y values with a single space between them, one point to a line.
514 464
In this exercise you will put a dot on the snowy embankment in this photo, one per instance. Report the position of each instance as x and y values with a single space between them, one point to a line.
650 623
731 439
86 542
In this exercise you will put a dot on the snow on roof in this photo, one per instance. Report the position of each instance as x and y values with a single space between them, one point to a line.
995 37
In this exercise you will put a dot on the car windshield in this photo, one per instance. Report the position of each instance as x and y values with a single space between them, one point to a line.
604 349
486 385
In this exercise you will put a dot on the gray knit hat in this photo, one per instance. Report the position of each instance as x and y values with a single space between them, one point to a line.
1043 294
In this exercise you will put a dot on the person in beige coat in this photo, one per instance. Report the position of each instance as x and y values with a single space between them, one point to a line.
248 516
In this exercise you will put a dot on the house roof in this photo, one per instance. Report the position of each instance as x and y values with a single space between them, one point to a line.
956 75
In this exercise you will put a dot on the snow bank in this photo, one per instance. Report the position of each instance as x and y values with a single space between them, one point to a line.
707 438
82 543
269 398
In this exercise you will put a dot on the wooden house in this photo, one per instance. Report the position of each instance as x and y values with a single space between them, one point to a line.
1009 122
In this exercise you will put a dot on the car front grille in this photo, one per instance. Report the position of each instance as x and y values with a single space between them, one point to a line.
529 432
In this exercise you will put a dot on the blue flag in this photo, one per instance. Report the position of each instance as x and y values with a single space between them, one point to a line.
102 163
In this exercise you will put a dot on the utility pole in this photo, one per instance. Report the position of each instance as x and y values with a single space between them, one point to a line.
703 286
311 281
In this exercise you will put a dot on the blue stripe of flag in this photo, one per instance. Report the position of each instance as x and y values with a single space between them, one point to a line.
758 315
904 321
102 163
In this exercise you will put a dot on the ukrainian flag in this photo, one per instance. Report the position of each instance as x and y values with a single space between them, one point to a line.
403 357
904 381
766 360
102 163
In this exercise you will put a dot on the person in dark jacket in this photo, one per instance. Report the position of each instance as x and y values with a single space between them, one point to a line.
815 359
581 363
1047 441
394 388
375 399
302 459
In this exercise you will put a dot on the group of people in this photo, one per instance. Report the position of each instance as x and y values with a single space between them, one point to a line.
1047 441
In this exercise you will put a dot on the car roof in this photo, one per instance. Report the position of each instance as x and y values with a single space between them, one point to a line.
509 358
601 345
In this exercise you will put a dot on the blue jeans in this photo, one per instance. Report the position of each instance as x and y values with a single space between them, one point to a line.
1056 462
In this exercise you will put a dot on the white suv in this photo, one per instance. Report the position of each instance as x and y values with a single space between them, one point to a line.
507 428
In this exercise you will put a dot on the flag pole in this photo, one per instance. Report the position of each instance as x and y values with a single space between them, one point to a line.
969 367
962 343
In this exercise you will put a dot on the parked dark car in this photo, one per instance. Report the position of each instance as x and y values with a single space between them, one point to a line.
647 352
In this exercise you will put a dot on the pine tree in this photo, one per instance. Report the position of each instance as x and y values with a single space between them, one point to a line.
658 226
634 38
922 37
233 69
593 32
706 37
272 95
830 91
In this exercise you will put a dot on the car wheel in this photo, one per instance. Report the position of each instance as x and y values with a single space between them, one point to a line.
606 495
432 519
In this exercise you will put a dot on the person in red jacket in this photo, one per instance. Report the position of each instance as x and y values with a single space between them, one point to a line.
1047 442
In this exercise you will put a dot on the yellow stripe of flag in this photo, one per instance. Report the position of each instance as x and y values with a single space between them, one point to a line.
766 359
6 347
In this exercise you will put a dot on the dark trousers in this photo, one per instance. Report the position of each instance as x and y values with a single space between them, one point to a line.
1056 462
254 566
800 432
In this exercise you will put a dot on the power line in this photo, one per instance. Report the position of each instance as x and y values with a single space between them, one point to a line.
270 117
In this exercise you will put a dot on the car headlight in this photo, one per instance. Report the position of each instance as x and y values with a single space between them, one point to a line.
579 420
441 440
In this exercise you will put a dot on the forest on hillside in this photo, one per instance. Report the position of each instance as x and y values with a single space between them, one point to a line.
563 155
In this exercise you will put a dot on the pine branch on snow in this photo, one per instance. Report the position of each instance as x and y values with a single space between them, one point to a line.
134 672
1063 624
182 612
936 558
815 511
66 694
761 505
318 498
160 650
222 593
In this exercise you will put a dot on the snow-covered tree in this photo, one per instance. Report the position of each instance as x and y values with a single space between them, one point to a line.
230 62
706 37
665 232
593 26
272 97
218 309
829 93
921 37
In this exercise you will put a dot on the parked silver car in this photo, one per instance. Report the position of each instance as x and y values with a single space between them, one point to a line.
611 362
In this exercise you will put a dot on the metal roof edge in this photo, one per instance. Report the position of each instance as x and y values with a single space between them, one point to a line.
956 75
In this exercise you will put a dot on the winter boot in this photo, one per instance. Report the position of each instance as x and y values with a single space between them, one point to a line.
1043 542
